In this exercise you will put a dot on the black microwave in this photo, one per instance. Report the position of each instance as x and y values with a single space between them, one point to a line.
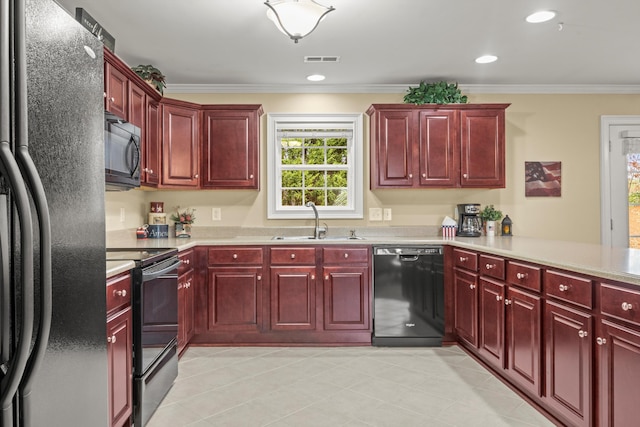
121 153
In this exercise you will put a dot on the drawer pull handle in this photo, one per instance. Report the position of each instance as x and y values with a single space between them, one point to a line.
293 256
507 302
582 334
490 266
601 341
522 275
563 288
111 339
235 256
498 297
346 255
122 293
626 306
464 259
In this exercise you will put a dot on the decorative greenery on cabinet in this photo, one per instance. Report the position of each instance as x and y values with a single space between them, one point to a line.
435 93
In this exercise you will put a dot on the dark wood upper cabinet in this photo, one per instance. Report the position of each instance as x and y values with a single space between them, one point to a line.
180 144
439 146
231 146
116 91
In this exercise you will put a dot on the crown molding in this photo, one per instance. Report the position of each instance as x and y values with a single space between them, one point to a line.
397 88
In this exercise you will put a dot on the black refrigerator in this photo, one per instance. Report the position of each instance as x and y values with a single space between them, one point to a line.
53 347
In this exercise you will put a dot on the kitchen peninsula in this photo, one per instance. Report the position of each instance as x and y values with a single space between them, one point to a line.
557 321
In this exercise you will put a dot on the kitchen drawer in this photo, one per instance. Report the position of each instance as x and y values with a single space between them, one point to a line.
293 256
574 289
118 292
524 275
350 255
465 259
620 303
235 256
492 266
187 258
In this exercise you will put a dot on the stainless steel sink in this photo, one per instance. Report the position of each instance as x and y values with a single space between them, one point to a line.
330 238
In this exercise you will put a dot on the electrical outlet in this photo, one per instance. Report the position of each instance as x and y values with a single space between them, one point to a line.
216 214
121 214
386 215
375 214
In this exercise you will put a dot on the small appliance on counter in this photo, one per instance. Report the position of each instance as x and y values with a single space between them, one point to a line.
469 223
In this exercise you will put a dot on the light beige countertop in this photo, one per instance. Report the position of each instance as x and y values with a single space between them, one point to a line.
116 267
609 263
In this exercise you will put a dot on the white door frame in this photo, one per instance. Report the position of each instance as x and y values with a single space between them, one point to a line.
605 173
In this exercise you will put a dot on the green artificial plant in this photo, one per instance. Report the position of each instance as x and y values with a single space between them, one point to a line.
435 93
151 74
489 213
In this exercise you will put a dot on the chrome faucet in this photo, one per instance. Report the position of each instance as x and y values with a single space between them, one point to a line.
316 231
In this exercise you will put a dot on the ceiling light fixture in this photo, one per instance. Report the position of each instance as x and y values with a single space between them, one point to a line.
486 59
541 16
315 78
296 18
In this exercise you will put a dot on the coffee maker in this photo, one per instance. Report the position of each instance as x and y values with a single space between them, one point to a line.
469 223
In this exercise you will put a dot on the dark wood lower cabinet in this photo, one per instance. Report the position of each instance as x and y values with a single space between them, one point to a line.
523 341
466 306
619 351
293 298
120 367
569 363
346 297
234 299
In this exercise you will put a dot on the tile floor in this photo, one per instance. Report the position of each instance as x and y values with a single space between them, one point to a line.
342 386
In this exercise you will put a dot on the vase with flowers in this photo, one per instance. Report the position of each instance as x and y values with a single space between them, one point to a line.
182 220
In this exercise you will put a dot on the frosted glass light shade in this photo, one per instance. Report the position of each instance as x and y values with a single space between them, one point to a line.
296 18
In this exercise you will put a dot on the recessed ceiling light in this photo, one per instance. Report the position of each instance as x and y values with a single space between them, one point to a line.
486 59
315 78
541 16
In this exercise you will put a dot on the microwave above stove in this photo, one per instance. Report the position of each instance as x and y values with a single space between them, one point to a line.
122 155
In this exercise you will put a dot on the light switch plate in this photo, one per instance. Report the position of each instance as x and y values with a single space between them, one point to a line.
216 214
386 215
375 214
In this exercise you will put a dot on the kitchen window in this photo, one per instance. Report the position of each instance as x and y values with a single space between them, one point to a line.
314 158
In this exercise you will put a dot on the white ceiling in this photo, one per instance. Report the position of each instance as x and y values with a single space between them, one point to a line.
228 45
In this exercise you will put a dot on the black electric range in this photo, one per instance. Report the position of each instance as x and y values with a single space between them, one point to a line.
142 257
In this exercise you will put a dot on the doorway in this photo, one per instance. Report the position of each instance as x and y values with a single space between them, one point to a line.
620 181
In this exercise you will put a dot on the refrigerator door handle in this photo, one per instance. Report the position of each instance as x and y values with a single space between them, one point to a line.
18 362
34 183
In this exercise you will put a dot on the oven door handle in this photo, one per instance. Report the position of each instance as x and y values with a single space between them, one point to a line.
146 276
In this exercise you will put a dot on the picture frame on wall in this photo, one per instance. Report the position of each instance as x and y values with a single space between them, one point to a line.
542 179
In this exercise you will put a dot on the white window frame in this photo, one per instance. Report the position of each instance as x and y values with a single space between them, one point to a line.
354 175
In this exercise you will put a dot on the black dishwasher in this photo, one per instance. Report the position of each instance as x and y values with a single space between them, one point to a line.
408 296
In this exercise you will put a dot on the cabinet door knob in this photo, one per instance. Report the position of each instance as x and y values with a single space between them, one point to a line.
563 288
346 255
251 176
582 334
150 170
313 277
464 175
121 293
626 306
235 256
410 175
293 256
186 261
507 302
498 297
112 99
601 341
111 339
472 286
490 266
424 175
195 176
326 277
